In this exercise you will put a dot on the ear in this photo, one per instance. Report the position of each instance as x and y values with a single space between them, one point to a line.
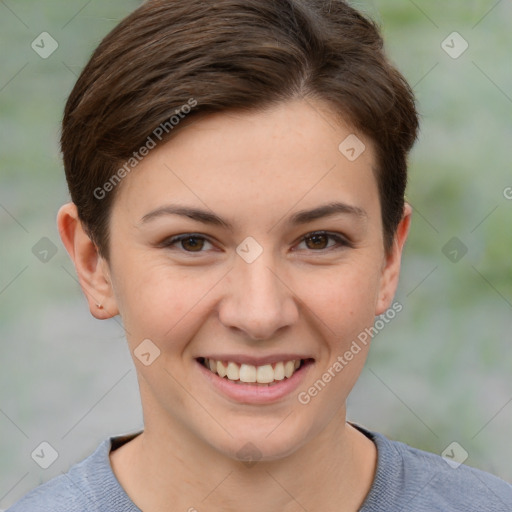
92 270
391 268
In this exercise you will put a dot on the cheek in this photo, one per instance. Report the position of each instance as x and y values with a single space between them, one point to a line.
161 302
344 312
343 297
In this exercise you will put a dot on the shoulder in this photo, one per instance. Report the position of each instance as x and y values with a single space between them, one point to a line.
422 481
57 495
68 492
89 485
456 485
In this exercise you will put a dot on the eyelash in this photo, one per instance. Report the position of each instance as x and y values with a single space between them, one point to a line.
340 240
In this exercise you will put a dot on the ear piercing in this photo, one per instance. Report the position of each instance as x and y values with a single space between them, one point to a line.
99 306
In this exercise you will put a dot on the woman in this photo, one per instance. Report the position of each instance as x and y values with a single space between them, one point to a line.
237 173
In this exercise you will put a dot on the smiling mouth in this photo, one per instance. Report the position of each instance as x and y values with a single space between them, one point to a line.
265 375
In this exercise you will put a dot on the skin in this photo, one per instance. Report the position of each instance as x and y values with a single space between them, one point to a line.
300 296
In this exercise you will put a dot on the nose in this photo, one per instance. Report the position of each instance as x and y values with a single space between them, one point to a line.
258 300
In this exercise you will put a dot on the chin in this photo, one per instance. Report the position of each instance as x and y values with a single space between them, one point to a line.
250 444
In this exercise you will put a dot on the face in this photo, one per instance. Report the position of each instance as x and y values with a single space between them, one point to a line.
250 239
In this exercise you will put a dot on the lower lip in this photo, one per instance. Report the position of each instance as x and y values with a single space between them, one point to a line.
255 393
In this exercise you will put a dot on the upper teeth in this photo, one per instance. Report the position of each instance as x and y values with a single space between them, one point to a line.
249 373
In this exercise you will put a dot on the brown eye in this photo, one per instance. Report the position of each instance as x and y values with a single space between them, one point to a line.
318 241
189 242
192 243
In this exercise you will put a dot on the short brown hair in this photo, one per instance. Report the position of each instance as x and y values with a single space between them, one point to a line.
231 55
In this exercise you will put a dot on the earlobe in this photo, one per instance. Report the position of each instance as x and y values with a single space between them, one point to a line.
92 270
391 270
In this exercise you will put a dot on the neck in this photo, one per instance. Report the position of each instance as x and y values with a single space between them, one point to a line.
333 471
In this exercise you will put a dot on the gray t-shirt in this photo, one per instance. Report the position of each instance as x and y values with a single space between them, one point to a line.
406 480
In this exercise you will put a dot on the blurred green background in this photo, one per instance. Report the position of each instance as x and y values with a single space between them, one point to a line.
440 372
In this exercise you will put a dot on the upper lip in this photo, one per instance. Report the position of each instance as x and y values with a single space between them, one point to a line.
256 361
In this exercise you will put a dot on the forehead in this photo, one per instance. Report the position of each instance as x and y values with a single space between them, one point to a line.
258 162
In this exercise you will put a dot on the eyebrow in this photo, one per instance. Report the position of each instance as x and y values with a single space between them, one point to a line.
298 218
